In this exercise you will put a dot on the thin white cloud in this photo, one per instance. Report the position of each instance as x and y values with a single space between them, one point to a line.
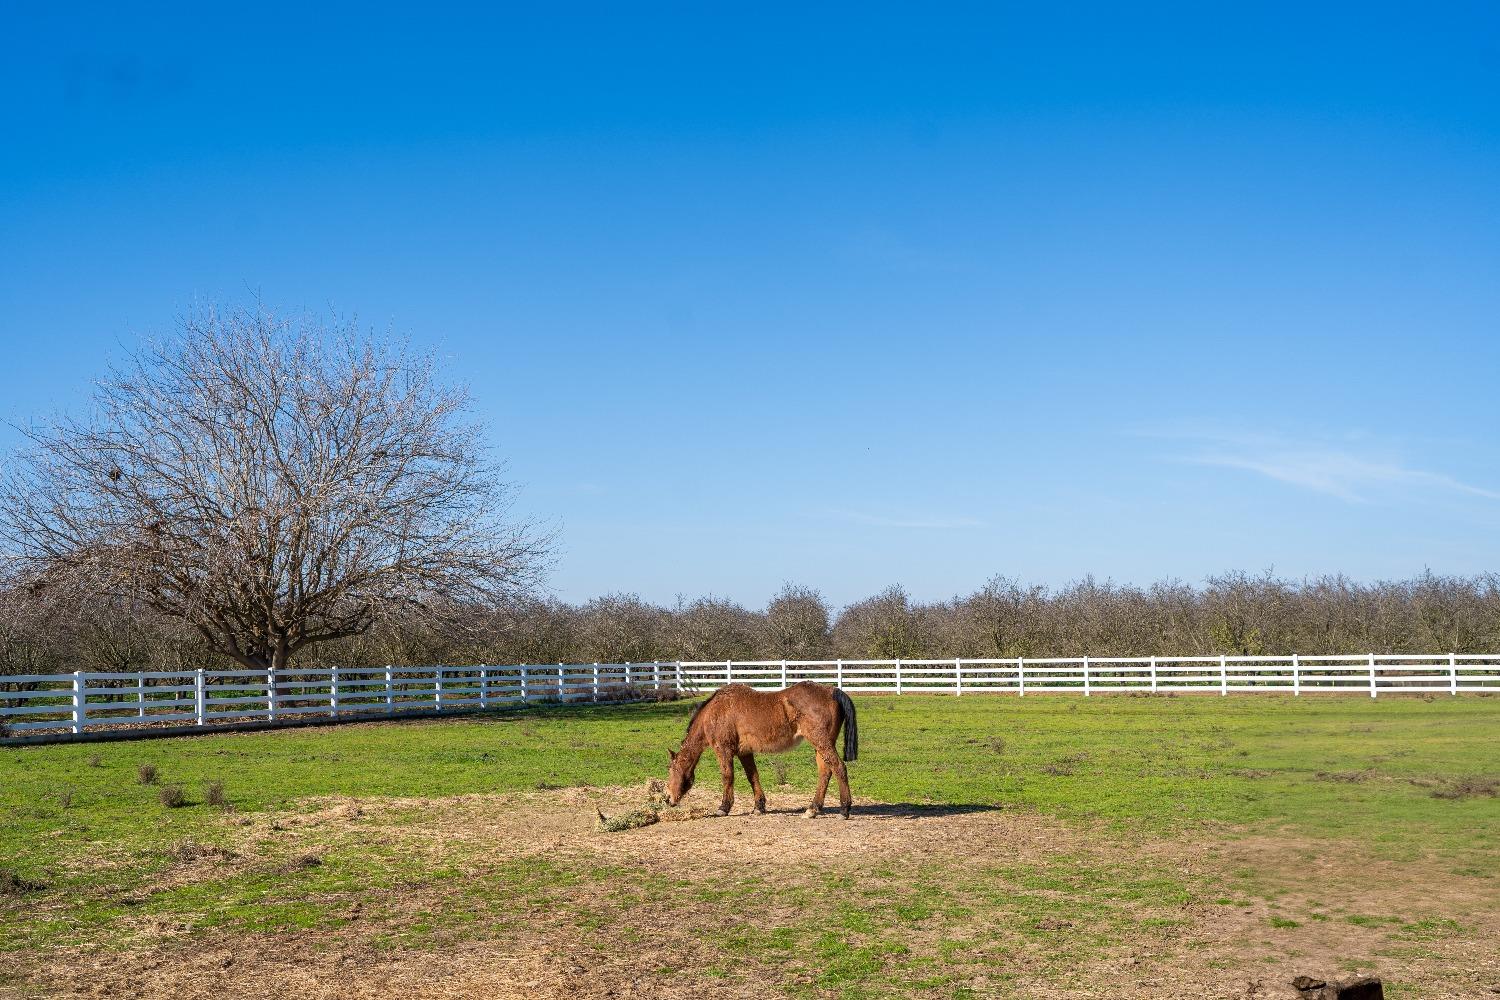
881 521
1332 469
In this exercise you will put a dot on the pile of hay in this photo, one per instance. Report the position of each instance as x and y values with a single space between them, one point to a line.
626 821
655 811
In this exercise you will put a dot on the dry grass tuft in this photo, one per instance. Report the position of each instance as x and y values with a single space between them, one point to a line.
213 794
172 796
683 815
146 774
191 851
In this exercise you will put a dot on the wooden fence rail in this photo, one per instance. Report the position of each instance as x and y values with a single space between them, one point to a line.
51 705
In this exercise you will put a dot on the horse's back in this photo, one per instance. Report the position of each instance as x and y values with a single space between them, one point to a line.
759 721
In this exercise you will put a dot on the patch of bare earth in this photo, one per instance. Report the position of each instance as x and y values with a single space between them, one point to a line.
648 919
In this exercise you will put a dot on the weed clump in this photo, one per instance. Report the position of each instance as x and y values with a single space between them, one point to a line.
780 768
172 796
13 884
1468 788
146 774
213 794
96 760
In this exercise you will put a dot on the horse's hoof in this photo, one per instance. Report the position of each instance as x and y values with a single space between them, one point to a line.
809 813
845 813
760 809
723 811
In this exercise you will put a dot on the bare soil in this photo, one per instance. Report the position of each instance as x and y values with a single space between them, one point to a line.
672 947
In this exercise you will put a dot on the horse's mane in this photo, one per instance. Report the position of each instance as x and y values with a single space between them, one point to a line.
701 706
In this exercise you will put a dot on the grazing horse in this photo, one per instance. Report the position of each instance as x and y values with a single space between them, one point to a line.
739 721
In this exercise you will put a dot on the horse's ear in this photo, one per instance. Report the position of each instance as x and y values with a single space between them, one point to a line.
671 754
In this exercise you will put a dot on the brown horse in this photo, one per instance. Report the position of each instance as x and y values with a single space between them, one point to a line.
739 721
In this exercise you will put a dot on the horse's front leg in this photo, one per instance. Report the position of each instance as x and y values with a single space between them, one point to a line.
726 772
747 761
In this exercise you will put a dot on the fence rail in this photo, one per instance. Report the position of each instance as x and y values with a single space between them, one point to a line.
50 705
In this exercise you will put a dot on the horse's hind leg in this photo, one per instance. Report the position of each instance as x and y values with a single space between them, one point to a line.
747 761
846 801
726 771
824 773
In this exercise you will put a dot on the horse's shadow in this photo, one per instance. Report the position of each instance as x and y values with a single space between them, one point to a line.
899 810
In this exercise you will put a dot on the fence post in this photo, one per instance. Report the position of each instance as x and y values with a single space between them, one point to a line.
839 673
1372 675
199 696
596 682
271 694
1021 676
677 675
140 694
898 675
437 677
484 687
1452 674
524 695
561 689
1223 675
628 682
1153 673
1296 675
333 691
958 677
783 673
80 711
390 689
1087 692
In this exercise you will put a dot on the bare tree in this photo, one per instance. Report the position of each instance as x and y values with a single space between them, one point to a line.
273 484
618 628
882 627
797 623
712 628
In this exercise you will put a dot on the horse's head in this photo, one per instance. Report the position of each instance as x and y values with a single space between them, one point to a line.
679 777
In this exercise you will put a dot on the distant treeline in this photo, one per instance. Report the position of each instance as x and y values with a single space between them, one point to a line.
1233 614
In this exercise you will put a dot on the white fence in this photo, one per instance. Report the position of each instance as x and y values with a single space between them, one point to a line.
81 702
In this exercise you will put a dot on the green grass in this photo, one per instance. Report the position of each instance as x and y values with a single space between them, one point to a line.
1337 769
1340 768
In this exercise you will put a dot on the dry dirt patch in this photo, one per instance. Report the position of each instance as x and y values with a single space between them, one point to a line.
596 937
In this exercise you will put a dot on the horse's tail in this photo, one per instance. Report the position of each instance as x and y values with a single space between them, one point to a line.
851 726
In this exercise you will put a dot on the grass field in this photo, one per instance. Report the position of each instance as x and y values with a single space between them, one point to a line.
1117 846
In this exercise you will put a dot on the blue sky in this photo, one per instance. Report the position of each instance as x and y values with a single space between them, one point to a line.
843 295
